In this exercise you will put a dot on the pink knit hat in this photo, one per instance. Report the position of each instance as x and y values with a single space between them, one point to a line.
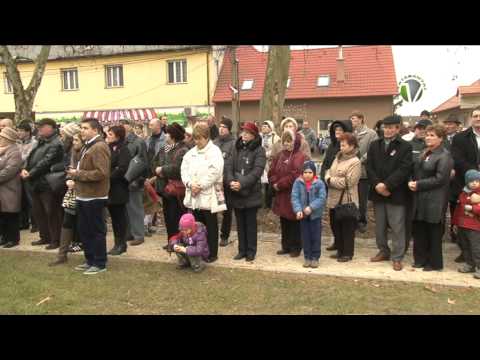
187 221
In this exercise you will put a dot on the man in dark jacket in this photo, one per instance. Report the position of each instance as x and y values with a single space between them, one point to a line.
225 141
466 155
135 210
243 170
46 204
452 128
389 167
336 129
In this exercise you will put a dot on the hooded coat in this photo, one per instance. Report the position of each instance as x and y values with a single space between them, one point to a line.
245 165
10 183
286 168
334 146
196 244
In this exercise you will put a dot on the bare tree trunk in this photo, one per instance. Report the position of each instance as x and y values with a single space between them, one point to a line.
271 105
24 98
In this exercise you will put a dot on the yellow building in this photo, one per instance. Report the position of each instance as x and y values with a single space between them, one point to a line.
167 79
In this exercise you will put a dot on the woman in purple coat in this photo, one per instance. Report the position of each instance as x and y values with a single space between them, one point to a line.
190 244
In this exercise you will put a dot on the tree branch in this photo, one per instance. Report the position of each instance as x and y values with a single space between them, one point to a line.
40 64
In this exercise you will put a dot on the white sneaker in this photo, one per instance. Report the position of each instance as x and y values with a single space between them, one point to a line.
82 267
93 270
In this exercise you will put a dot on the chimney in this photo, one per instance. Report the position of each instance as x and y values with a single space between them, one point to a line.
340 65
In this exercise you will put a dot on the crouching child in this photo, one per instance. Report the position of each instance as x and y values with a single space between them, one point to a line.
190 244
308 201
467 219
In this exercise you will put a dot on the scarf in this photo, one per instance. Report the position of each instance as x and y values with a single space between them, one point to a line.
169 147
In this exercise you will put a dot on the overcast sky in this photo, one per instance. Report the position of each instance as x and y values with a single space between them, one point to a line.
443 68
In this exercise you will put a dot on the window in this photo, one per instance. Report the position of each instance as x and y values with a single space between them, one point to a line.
70 79
247 85
177 71
114 76
324 124
8 84
323 80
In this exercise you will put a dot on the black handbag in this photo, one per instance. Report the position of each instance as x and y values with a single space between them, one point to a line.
57 177
347 211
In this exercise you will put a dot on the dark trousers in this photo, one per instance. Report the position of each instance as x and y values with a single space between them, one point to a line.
211 223
291 235
48 212
343 234
311 237
10 227
470 241
268 194
172 212
247 231
118 213
227 223
427 244
93 231
363 189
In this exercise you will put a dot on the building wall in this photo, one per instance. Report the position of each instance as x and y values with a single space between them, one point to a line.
145 84
374 108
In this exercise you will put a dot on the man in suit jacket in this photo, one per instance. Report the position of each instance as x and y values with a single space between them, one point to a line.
465 150
389 167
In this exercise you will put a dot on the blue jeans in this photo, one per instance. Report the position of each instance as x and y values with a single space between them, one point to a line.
93 231
311 237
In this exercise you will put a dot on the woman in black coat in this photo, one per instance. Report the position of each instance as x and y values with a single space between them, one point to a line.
166 167
337 128
431 187
119 194
243 170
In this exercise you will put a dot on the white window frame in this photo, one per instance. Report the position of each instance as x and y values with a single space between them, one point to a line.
183 67
289 82
75 81
113 71
7 84
321 79
247 82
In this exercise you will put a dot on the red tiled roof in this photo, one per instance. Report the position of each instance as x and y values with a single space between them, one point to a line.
454 101
369 71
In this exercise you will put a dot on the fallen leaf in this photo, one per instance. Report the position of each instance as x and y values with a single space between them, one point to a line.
376 285
44 300
451 302
431 288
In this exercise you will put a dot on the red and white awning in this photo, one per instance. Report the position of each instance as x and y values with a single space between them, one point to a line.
113 116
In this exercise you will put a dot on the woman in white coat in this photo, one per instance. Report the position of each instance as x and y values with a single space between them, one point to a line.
202 174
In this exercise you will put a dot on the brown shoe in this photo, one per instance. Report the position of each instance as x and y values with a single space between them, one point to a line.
136 242
397 265
380 257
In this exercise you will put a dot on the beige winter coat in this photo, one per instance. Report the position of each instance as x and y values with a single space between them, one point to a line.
10 183
344 168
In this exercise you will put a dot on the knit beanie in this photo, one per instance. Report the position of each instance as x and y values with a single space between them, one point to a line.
309 164
288 119
187 221
9 135
227 122
471 175
71 129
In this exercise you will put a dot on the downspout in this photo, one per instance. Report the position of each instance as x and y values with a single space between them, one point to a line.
208 82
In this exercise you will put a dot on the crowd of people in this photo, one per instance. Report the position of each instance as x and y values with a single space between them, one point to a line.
63 180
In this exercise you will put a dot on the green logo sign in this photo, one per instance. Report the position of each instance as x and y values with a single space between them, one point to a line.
411 88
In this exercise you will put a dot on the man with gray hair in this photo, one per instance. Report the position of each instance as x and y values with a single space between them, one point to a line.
138 151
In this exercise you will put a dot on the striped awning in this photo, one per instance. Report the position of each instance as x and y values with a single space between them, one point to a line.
113 116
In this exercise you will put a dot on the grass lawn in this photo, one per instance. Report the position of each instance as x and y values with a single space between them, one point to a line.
140 287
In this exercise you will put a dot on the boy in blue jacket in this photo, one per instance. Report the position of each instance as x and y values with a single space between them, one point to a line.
308 200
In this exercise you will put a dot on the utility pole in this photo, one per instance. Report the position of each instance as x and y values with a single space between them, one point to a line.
235 90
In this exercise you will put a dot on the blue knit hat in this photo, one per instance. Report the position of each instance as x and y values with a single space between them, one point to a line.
471 175
309 164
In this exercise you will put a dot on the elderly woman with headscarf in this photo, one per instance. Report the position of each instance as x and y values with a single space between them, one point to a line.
10 187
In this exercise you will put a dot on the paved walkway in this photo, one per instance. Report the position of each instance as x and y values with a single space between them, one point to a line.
267 260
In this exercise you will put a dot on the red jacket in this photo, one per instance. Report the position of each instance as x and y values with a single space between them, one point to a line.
461 219
286 168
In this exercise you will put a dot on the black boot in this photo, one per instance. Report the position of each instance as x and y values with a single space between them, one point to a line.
119 248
